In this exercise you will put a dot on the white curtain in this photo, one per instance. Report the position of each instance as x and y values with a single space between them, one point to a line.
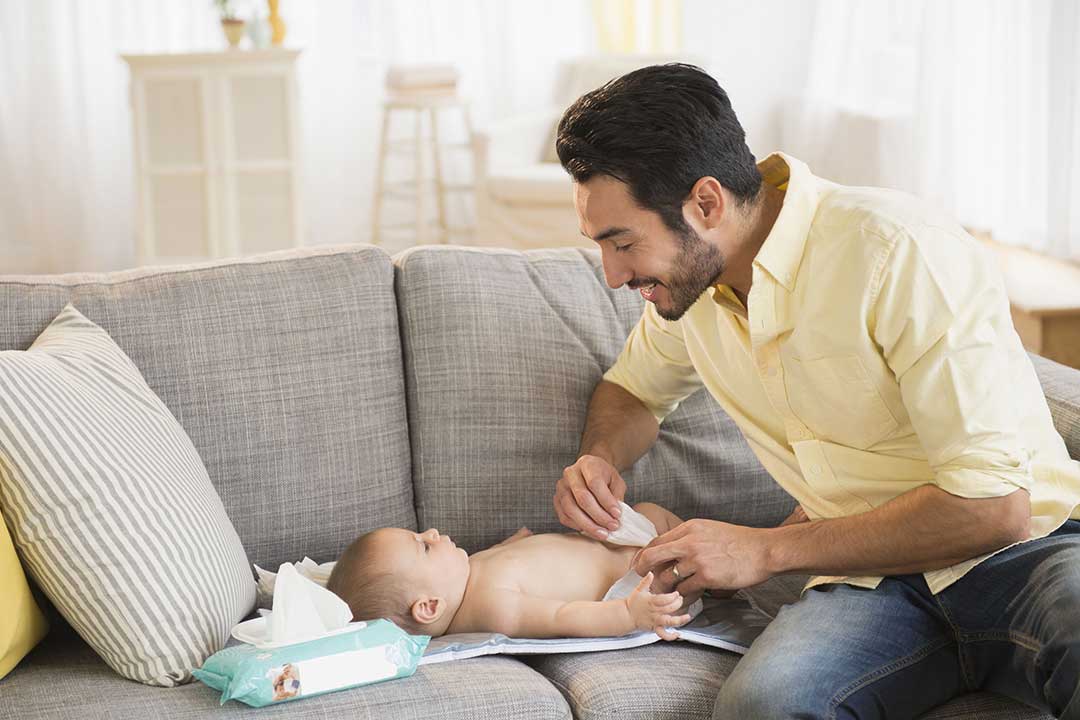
972 104
67 197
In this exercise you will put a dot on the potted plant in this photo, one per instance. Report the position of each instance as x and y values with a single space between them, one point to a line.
230 24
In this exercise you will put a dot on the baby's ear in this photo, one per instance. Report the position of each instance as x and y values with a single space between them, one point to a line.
427 610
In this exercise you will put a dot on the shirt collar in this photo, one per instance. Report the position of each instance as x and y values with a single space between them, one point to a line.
782 251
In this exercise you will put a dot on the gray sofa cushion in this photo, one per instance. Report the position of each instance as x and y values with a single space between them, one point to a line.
680 680
502 352
673 681
664 681
63 678
285 371
1061 385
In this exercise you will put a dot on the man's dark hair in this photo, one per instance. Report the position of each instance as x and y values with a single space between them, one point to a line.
659 130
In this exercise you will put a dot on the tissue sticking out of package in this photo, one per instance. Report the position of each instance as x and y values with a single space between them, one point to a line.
317 573
302 610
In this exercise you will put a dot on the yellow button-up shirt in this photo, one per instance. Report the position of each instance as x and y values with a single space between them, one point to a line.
876 354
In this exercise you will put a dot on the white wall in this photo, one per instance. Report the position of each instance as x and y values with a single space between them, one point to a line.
65 152
758 51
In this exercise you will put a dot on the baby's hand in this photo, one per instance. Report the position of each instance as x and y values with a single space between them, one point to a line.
655 612
521 533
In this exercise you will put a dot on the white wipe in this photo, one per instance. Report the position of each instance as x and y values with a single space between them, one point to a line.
634 528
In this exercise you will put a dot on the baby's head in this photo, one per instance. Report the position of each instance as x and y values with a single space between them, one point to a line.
417 580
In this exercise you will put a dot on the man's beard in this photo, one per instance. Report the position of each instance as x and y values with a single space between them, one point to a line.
697 266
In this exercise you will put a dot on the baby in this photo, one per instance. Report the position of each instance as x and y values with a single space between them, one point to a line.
537 586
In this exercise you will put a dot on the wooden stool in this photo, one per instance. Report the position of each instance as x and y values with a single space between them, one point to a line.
419 104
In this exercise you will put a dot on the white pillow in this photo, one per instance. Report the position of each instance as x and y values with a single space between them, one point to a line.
111 508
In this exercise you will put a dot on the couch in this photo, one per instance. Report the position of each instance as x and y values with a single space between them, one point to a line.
333 390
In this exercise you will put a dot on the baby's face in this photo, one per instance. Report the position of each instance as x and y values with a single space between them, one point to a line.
432 562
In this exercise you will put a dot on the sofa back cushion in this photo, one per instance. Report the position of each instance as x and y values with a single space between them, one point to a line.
284 370
502 352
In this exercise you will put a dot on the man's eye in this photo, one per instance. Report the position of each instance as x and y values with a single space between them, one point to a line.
620 248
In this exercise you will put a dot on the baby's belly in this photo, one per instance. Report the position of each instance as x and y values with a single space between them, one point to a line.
564 566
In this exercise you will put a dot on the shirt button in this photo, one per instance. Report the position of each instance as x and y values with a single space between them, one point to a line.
815 469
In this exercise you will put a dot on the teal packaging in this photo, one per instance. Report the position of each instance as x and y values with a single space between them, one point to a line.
370 652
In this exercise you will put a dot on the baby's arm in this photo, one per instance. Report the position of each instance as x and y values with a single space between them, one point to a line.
518 615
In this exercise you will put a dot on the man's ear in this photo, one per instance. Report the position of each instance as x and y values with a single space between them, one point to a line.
706 202
427 610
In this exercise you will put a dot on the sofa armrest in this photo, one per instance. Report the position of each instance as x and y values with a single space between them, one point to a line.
1061 385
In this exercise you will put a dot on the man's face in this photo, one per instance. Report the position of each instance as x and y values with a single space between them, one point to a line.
431 562
670 269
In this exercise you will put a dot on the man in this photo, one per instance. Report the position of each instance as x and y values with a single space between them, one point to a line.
864 346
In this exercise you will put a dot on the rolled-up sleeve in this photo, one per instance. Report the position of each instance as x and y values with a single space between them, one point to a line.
654 365
944 326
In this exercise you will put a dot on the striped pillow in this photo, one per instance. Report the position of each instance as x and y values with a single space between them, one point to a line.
111 509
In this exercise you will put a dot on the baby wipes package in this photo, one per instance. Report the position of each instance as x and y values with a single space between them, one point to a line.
307 646
362 654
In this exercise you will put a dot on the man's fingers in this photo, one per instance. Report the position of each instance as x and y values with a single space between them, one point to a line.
603 500
675 533
691 585
574 517
587 502
651 557
713 592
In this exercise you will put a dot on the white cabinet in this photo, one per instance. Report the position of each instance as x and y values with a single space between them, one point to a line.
217 154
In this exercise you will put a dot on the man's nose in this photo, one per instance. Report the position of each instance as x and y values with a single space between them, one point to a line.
615 275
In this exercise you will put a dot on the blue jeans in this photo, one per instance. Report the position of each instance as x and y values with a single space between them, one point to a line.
1011 625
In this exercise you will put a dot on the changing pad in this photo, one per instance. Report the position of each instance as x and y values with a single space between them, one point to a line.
726 623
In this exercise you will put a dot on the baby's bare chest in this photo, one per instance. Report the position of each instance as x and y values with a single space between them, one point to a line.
558 566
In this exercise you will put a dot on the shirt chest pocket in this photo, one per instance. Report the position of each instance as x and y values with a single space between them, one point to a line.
836 399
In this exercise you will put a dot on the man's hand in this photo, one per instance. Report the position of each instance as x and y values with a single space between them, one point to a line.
587 496
655 612
709 555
